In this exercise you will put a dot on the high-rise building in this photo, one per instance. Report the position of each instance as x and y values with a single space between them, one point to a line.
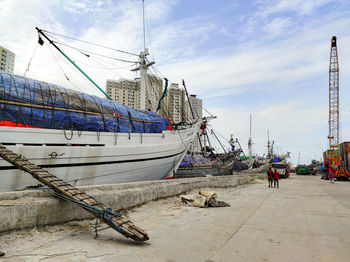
176 103
127 92
196 104
7 60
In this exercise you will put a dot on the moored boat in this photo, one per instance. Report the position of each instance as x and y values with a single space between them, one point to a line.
82 146
84 139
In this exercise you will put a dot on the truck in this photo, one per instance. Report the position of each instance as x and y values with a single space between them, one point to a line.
305 170
282 168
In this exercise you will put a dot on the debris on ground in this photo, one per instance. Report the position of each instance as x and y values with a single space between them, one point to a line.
203 199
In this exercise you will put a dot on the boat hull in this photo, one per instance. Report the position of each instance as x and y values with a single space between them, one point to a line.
93 158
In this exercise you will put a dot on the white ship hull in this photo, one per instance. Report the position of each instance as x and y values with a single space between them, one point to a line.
92 158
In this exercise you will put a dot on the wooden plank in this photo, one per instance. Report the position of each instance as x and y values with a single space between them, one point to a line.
66 188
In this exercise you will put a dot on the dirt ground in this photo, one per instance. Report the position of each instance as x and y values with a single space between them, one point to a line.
306 219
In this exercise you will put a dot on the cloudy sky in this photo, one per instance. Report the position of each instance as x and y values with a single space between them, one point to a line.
268 58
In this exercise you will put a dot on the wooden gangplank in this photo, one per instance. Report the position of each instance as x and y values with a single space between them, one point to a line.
68 192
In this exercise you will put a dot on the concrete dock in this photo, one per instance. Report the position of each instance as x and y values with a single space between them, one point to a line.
306 219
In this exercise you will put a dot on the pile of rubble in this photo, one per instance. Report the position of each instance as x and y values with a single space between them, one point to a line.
203 199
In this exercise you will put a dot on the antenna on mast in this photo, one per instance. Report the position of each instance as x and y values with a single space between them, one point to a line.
143 19
143 64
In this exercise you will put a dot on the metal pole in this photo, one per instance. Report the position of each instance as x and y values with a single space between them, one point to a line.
250 143
143 74
268 144
212 131
205 144
188 99
189 103
240 146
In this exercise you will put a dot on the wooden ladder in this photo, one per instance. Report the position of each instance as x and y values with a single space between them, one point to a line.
66 191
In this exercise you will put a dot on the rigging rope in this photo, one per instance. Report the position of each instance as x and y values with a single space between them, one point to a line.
128 67
67 78
70 65
30 61
84 41
55 60
82 51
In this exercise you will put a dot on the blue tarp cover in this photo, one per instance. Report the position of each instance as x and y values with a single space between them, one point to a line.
35 103
276 159
189 160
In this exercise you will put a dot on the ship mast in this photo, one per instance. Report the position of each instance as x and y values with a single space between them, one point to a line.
250 143
143 22
143 64
268 144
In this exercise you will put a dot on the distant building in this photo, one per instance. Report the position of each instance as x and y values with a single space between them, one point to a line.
196 104
176 104
127 92
7 60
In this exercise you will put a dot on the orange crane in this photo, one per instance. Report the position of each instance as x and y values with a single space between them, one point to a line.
334 158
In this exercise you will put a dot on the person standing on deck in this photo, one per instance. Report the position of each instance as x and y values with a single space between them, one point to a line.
276 177
269 176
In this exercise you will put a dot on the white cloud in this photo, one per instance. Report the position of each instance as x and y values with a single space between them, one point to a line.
283 62
301 7
278 26
81 6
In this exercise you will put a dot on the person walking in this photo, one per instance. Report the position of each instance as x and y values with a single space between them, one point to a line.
276 177
331 174
269 176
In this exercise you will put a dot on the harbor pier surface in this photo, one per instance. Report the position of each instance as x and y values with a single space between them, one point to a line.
306 219
22 209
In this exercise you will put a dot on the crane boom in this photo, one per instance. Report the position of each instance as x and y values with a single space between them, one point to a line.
333 136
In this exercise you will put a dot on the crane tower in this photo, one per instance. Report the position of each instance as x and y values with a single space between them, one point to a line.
333 136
